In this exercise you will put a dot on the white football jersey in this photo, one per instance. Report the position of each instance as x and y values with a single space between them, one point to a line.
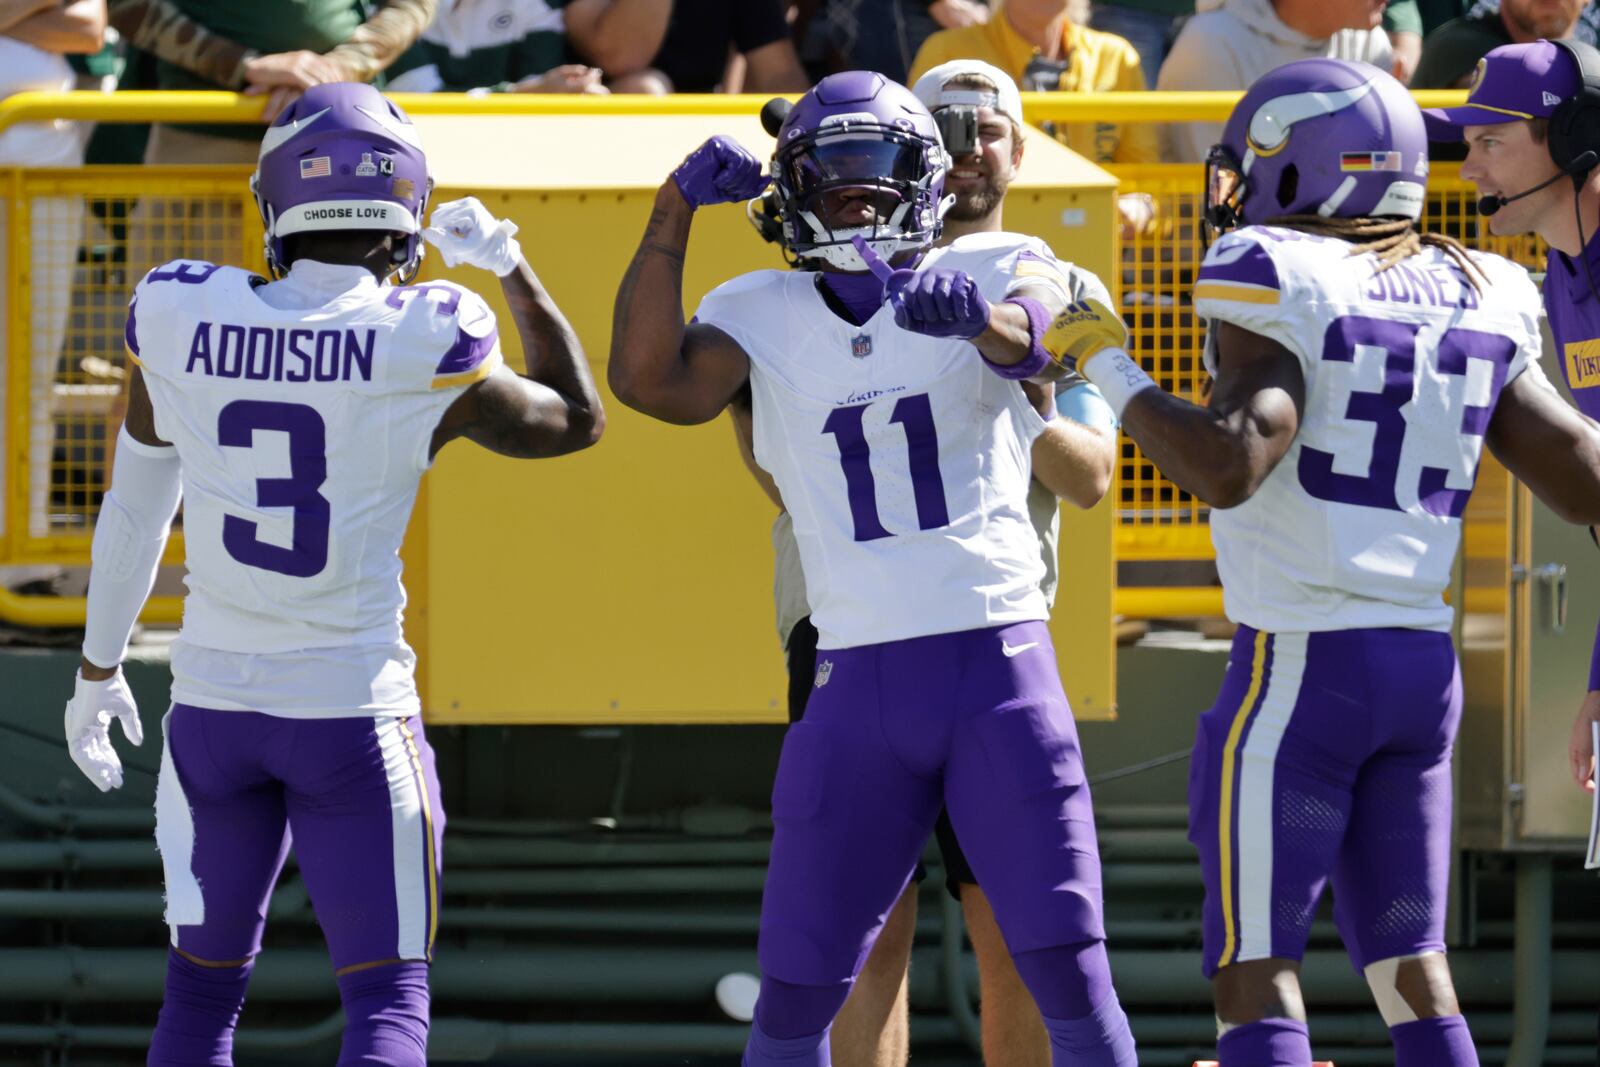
903 460
302 433
1359 523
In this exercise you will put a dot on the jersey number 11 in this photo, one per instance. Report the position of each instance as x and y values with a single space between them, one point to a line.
915 416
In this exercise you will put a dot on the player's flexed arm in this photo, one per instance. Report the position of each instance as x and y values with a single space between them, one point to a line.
552 409
1220 453
677 373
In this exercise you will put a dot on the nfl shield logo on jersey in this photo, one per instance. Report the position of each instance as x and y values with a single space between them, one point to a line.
861 345
823 673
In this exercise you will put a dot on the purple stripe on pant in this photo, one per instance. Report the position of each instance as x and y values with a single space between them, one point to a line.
976 721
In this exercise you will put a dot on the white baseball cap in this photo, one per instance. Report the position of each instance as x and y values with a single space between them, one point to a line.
930 88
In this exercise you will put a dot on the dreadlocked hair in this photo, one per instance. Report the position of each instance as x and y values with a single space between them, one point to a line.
1391 240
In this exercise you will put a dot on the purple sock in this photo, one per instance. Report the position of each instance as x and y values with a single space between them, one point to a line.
386 1015
785 1010
1100 1040
1268 1043
764 1051
1441 1042
198 1014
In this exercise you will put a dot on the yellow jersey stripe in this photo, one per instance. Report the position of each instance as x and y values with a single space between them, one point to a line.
132 356
1230 751
476 374
1242 294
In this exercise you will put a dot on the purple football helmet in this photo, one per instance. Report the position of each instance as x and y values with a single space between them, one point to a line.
1323 137
859 139
342 157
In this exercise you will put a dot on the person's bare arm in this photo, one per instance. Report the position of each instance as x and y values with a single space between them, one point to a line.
160 28
618 36
774 68
1549 445
15 11
552 409
1072 460
76 28
677 373
1222 453
744 434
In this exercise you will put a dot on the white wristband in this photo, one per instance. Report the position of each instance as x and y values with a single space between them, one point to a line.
1117 375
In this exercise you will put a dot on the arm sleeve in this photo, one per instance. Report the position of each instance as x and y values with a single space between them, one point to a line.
160 28
394 27
1078 400
135 517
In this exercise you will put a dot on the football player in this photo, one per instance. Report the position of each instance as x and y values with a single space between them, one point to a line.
1359 368
297 417
888 409
979 114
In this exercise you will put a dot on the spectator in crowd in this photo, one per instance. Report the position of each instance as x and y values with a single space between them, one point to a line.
1451 52
620 37
880 35
1148 25
702 35
1042 47
1239 41
480 46
36 36
1587 29
1402 21
277 48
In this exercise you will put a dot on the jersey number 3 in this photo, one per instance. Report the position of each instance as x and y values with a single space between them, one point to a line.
308 469
915 415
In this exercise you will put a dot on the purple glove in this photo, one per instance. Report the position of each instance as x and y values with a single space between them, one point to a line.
720 171
936 303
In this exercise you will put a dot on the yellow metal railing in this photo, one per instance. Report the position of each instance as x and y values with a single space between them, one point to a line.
75 241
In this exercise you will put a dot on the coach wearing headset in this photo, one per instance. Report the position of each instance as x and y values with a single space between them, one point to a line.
1532 127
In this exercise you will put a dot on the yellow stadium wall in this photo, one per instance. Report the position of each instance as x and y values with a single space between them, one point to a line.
633 582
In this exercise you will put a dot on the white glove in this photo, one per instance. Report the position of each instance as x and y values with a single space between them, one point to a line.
89 715
464 231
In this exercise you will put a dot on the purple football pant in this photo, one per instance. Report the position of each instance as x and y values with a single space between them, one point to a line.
1327 755
976 721
359 799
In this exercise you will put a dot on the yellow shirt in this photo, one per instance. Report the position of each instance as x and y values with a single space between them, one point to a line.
1096 63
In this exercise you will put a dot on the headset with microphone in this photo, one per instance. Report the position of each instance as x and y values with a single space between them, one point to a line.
1579 169
1573 138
